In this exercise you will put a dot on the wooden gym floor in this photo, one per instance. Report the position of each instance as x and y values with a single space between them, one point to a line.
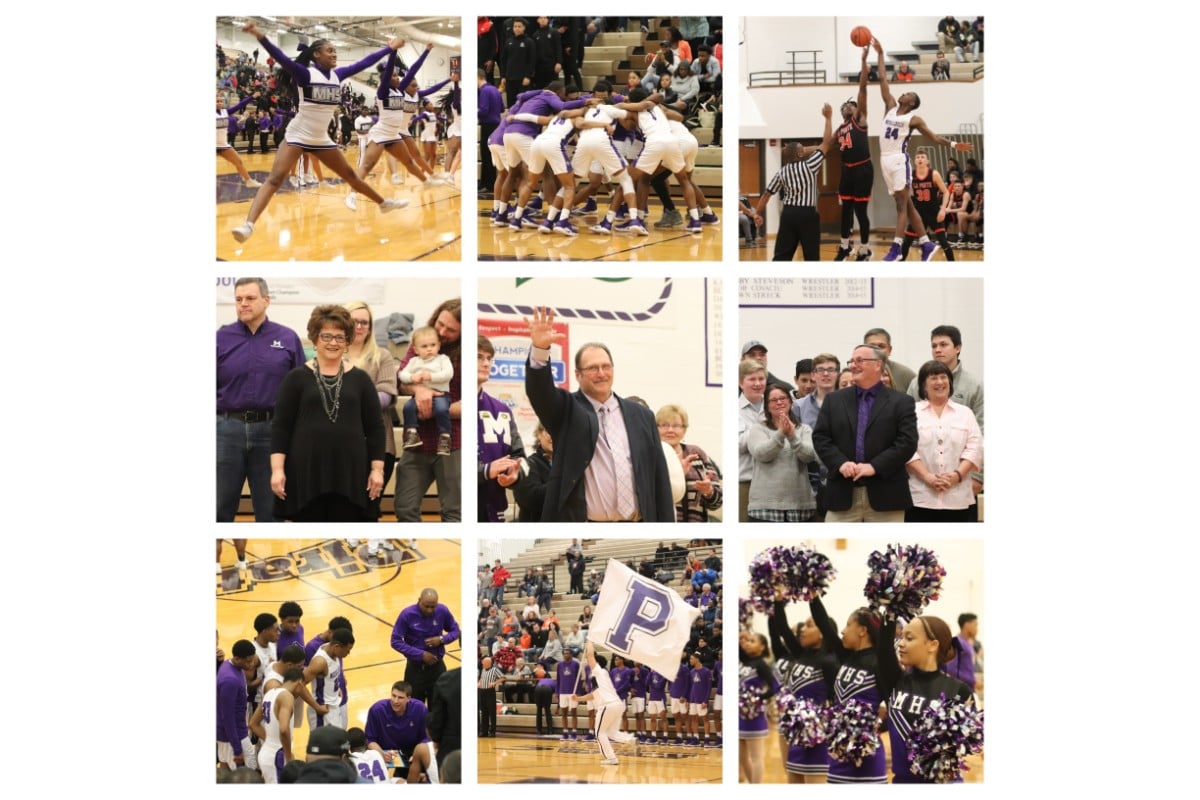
671 244
328 580
532 759
880 242
313 223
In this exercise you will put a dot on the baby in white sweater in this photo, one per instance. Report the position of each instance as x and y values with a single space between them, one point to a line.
430 367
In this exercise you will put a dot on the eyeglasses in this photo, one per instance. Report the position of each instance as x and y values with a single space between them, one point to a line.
827 370
780 400
332 337
362 323
596 369
673 426
858 362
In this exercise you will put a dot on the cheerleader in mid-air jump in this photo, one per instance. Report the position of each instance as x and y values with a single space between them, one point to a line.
389 134
318 82
224 149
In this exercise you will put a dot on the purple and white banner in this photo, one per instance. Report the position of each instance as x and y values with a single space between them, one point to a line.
641 619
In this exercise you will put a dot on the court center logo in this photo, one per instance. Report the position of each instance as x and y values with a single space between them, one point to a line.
328 558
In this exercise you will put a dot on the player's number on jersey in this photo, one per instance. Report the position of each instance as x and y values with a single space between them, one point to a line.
372 771
892 133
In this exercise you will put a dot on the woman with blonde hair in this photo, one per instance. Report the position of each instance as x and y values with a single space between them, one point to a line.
701 473
380 366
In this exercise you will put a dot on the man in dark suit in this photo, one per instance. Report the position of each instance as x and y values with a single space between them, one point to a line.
608 460
865 435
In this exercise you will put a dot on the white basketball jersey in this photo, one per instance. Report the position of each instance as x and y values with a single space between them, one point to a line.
370 765
324 689
270 721
896 130
557 131
266 657
653 123
604 114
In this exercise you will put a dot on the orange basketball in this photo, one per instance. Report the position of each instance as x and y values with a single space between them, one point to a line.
861 36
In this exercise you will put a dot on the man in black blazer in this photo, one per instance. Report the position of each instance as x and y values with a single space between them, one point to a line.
614 472
868 481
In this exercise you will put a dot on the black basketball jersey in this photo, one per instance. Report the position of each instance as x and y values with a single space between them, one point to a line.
852 142
925 195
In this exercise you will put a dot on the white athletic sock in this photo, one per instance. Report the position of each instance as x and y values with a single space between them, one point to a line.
694 213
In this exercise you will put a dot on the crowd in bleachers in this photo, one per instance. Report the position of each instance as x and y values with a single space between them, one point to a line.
529 653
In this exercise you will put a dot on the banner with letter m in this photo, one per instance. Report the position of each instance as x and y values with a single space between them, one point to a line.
641 619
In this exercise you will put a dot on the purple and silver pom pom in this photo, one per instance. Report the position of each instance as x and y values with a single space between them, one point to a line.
942 738
746 611
903 580
853 732
750 703
801 721
801 572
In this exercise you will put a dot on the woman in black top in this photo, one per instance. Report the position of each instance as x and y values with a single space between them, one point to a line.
910 679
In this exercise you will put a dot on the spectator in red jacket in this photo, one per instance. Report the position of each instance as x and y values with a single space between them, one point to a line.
500 577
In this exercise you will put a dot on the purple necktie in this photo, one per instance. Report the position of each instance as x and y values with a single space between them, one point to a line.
866 398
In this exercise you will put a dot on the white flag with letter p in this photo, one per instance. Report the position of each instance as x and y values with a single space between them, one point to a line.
641 619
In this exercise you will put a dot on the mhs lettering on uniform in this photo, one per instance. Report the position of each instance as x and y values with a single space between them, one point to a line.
326 95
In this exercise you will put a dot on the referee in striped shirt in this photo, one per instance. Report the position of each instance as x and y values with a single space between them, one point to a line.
796 185
489 676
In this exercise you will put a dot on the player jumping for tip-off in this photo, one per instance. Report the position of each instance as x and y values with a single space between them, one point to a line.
899 121
854 189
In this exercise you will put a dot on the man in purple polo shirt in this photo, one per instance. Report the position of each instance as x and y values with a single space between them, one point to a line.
253 356
396 729
233 736
421 634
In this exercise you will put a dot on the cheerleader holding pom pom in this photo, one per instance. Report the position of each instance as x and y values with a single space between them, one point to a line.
918 695
756 685
855 754
808 671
